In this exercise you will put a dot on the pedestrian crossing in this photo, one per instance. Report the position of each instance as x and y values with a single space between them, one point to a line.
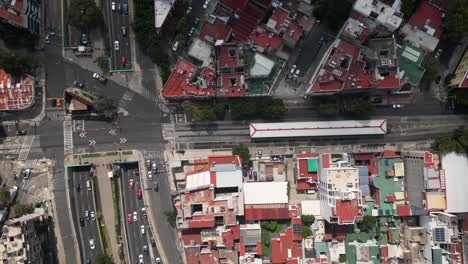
150 95
30 163
50 181
26 147
127 97
56 114
151 154
67 136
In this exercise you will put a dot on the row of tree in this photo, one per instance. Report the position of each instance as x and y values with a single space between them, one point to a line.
17 64
84 15
457 141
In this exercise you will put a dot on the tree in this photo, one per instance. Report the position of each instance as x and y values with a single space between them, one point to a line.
334 12
342 258
456 22
367 223
328 108
103 63
4 197
84 14
16 64
103 259
309 219
361 107
21 209
408 7
432 66
106 106
171 217
306 232
243 152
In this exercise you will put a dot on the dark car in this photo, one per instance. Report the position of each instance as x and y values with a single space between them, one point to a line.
81 221
125 9
78 187
77 84
156 186
21 132
53 102
152 241
255 175
119 8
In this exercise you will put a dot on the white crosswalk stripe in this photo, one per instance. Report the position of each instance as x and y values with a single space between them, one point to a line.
126 99
153 154
56 114
30 163
50 181
67 136
26 147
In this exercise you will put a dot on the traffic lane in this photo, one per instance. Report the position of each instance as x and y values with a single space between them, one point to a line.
126 209
75 213
90 230
80 205
144 239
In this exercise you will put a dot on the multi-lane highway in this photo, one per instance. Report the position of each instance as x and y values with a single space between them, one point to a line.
118 23
133 203
82 200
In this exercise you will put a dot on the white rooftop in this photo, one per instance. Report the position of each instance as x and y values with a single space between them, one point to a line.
201 50
320 128
162 8
197 180
456 180
265 193
262 66
380 12
310 207
229 178
419 38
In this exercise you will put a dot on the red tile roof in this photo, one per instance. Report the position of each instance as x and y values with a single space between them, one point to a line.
266 212
192 255
427 14
306 180
347 211
191 235
288 247
403 210
216 31
242 27
279 16
235 4
177 85
17 19
266 38
231 235
15 96
211 258
294 31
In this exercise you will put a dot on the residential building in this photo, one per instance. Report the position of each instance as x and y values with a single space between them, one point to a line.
409 60
306 172
25 14
261 66
424 28
265 40
250 240
375 11
456 169
288 247
162 12
16 94
215 29
230 69
442 238
265 201
287 25
340 195
460 76
425 180
246 15
24 238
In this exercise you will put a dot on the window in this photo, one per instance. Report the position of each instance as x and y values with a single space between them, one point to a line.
233 82
232 52
219 220
197 208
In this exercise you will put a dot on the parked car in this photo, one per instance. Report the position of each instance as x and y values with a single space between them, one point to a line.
53 102
189 9
113 6
86 213
150 175
153 243
192 29
156 186
47 39
81 221
124 31
99 77
123 60
175 46
205 5
26 174
255 176
143 212
296 74
148 164
131 184
197 20
142 229
119 8
140 259
293 69
116 45
145 249
88 261
154 167
92 244
78 187
139 194
158 260
135 216
77 84
93 216
129 218
396 106
58 102
84 39
21 132
125 9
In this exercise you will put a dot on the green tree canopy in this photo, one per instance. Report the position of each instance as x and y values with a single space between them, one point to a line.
203 112
243 152
367 223
309 219
432 66
21 209
408 7
16 64
361 107
334 12
4 196
103 259
253 108
306 232
456 22
457 142
84 14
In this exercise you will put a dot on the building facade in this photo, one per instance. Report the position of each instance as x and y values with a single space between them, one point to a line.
24 14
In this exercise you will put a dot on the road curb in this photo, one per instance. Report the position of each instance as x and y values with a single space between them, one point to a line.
67 194
124 239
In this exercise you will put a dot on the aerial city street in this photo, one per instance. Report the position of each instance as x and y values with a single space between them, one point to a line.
233 131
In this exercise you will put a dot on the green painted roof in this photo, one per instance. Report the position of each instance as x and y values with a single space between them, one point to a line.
409 59
320 247
312 165
387 185
436 256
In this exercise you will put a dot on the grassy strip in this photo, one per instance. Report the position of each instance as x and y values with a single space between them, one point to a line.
118 231
91 155
127 152
105 240
114 153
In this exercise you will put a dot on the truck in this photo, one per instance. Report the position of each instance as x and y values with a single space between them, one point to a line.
99 77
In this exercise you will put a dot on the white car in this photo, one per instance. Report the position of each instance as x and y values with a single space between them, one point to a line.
86 213
191 31
93 216
143 212
396 106
189 9
174 47
113 6
92 245
293 68
205 5
140 259
135 216
142 229
150 175
116 45
158 260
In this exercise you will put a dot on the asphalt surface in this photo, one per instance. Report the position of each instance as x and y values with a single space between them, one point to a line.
136 241
83 201
115 21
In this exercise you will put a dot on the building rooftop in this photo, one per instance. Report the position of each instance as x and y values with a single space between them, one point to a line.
319 128
189 81
230 67
197 179
310 207
264 38
460 76
15 95
214 29
307 167
245 20
265 193
162 8
12 11
456 169
261 67
427 18
288 247
409 60
201 50
379 12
